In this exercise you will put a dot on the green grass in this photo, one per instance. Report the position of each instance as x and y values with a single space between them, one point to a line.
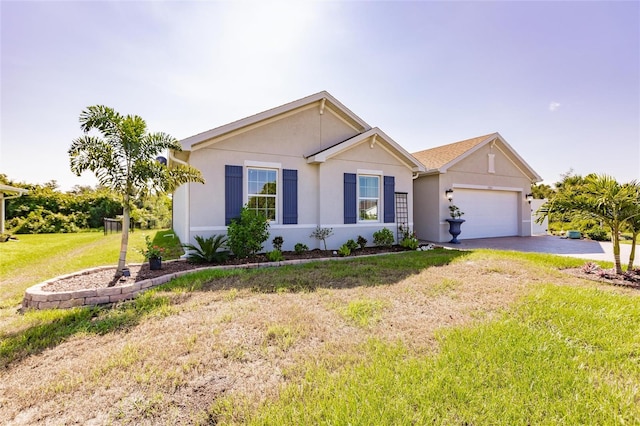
35 331
37 257
356 272
39 330
363 312
562 356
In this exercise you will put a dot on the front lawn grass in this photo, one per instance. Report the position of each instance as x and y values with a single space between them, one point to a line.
563 355
37 257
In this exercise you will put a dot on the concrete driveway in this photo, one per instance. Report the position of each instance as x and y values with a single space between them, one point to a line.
584 249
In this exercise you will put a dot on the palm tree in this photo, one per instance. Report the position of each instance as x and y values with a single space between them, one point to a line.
598 197
123 159
633 222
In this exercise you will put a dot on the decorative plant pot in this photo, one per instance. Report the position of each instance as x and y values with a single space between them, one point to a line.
454 229
155 263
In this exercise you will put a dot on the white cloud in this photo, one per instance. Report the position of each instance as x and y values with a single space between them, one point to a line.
553 106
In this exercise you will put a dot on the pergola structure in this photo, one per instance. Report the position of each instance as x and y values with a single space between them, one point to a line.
7 192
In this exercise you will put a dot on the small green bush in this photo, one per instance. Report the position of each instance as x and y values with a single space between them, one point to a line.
598 234
362 241
383 237
275 256
344 250
207 250
277 243
353 246
409 239
246 234
300 248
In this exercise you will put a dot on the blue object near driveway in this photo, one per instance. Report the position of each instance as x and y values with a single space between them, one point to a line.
574 235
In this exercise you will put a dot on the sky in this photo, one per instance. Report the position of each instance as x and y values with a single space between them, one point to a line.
560 81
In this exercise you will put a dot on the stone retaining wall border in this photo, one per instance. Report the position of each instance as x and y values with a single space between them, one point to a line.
36 298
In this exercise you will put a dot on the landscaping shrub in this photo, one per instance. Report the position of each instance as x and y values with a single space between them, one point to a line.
383 237
275 256
322 234
300 248
207 250
246 234
598 234
277 243
352 245
344 250
362 241
409 239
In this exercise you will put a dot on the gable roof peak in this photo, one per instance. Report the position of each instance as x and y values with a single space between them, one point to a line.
323 98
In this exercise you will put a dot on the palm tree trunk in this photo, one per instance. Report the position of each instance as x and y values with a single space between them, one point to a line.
125 236
632 255
615 236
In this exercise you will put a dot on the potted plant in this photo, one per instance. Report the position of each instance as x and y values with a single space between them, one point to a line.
153 254
455 222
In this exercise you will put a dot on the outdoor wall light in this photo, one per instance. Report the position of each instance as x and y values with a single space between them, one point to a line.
449 194
529 197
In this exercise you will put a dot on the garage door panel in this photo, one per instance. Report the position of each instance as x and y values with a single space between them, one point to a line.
487 213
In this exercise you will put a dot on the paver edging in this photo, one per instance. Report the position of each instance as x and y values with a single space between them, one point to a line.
36 298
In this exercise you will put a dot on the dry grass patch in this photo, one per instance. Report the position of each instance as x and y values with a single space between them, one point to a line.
244 335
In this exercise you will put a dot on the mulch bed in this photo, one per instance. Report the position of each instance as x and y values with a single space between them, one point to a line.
611 279
104 277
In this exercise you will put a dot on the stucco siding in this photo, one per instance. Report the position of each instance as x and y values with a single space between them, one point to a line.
428 208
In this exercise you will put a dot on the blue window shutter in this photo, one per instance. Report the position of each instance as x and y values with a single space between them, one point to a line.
389 199
289 197
350 202
232 193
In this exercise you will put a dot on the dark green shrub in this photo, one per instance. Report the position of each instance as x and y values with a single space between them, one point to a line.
246 234
300 248
598 234
207 250
277 243
362 241
352 245
383 237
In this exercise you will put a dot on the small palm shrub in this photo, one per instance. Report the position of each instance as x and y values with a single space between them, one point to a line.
275 256
207 250
383 237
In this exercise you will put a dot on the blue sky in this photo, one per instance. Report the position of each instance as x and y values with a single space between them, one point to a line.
560 81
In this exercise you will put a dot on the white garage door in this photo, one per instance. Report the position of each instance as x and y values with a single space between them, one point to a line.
487 213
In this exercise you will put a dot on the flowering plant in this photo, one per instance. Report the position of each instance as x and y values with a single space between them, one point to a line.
151 251
455 212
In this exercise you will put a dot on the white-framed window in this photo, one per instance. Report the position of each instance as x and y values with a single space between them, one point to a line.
368 198
262 191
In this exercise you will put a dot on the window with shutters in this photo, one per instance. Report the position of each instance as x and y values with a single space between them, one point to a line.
368 198
262 191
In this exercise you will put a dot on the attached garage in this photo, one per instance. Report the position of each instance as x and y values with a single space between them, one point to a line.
488 213
488 181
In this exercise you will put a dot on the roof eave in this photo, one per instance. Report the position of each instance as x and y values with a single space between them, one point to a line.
410 161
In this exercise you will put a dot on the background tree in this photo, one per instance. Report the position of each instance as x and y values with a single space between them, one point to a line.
123 159
598 197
